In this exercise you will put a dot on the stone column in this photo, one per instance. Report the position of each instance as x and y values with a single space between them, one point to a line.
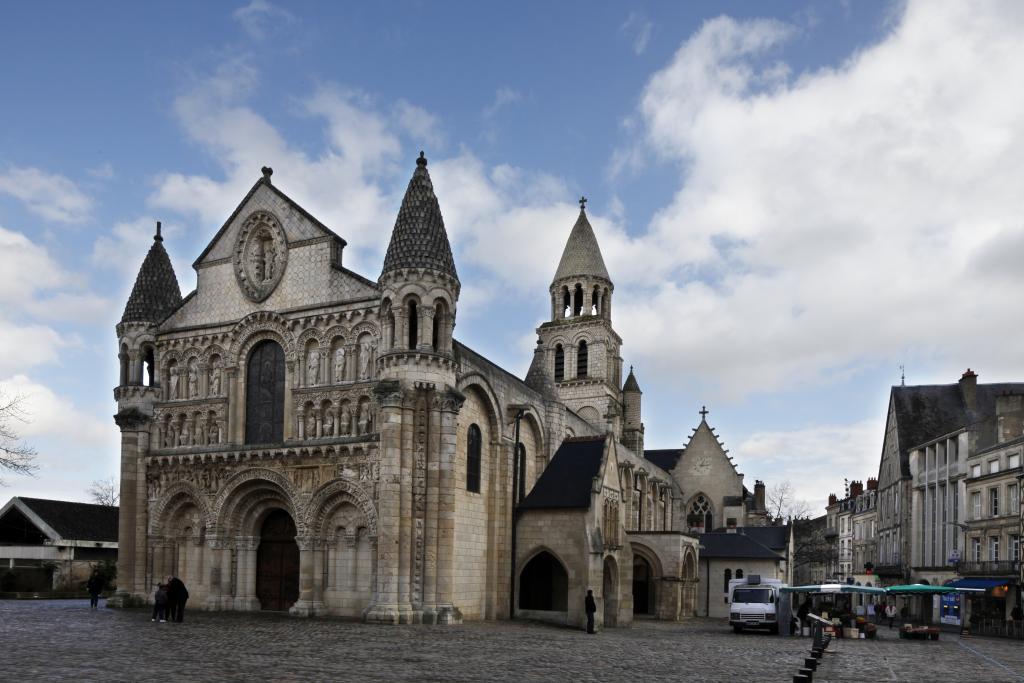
427 329
301 415
289 373
307 605
430 523
351 545
245 580
384 608
447 612
401 335
133 511
405 507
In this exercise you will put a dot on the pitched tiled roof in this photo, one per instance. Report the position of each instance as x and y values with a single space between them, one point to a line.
76 521
538 378
726 545
419 239
665 458
156 292
582 255
569 477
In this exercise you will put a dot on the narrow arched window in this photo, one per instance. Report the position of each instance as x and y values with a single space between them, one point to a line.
473 444
566 303
725 583
581 360
595 301
149 365
577 300
436 337
264 394
414 326
559 363
739 573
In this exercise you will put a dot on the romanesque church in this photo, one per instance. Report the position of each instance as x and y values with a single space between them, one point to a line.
296 436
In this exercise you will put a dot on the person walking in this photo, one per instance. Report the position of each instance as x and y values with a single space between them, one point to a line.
177 596
890 613
591 607
95 587
160 604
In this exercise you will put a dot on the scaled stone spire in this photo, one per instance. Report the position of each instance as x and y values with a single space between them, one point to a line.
537 377
582 255
631 383
419 239
156 292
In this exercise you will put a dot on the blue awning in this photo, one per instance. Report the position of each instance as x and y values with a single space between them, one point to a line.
978 583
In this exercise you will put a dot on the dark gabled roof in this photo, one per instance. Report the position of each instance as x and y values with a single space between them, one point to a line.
156 292
582 254
76 521
665 458
419 239
774 537
568 479
737 545
927 412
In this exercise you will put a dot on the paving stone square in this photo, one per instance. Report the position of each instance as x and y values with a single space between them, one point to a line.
64 640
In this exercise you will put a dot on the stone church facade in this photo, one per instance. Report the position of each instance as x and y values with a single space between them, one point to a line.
295 436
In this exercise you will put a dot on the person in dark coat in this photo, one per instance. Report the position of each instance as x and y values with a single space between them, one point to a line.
803 611
177 595
95 587
160 604
591 607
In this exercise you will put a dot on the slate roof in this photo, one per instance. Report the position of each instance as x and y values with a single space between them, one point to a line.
156 293
537 377
665 458
419 239
773 537
927 412
582 255
76 521
726 545
631 383
567 481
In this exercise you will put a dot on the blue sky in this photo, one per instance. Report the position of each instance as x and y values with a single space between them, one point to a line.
792 198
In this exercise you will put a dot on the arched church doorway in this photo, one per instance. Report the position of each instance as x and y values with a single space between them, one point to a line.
277 563
643 586
610 593
544 584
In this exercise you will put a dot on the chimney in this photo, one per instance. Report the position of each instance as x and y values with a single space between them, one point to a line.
872 484
759 504
856 488
1009 416
969 389
832 499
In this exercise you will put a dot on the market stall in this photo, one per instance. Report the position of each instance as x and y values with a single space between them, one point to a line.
917 592
833 601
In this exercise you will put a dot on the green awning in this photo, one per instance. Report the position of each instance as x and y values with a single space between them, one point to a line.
922 589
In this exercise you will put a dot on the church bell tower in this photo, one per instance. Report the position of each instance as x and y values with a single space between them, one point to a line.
581 347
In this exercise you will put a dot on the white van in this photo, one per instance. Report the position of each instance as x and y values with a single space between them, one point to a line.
753 603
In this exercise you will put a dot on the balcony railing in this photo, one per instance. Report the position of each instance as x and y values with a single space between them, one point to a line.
990 568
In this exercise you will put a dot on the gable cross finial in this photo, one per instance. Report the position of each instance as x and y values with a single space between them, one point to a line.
703 412
583 203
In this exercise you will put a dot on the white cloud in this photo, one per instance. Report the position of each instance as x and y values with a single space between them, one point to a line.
260 18
104 171
419 124
27 345
49 195
833 220
26 268
815 459
503 97
638 28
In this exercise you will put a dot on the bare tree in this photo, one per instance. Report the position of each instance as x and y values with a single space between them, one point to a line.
15 455
783 505
105 492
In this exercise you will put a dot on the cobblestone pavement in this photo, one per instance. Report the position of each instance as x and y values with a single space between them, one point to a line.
64 640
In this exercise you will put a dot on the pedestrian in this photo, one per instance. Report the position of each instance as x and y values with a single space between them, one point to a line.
591 606
803 611
95 587
890 613
1016 614
177 595
160 604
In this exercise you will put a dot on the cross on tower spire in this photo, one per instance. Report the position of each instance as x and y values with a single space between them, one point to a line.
583 203
703 412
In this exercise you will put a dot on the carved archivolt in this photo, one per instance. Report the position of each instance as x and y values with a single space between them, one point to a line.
178 495
261 255
231 496
326 499
256 327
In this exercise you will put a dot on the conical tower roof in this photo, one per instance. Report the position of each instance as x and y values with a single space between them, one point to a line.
156 292
631 383
582 255
419 239
537 378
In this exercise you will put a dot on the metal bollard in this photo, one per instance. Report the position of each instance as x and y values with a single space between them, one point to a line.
806 672
810 663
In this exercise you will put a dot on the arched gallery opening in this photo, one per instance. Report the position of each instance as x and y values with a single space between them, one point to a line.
643 586
544 584
277 563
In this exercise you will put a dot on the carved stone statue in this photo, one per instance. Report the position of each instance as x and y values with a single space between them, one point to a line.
215 379
366 359
339 365
185 436
328 423
345 421
174 382
311 426
313 369
269 254
257 260
364 418
193 382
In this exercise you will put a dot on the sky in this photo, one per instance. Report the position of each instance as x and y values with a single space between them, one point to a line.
793 199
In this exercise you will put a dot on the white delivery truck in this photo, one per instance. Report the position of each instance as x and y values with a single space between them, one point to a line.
753 603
